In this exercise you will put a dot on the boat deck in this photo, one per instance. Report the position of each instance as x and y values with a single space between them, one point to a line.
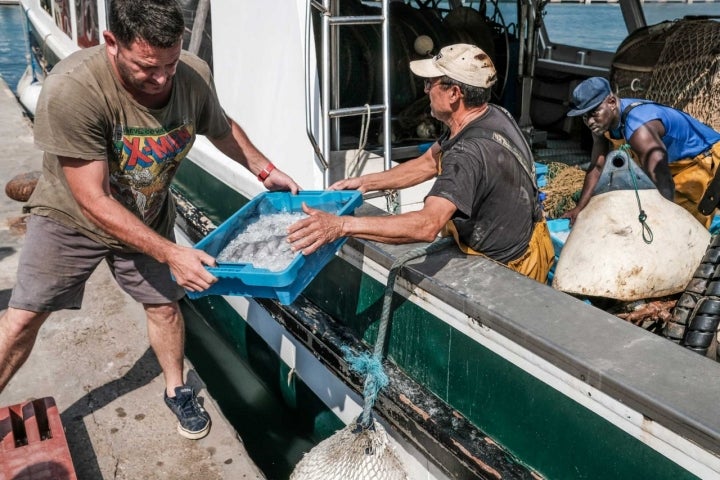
563 151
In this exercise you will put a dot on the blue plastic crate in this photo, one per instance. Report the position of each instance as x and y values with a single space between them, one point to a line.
242 279
715 225
541 171
559 230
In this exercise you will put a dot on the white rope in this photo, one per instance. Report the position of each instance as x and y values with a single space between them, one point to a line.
354 166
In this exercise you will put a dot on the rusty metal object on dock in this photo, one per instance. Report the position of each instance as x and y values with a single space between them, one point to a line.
33 443
21 186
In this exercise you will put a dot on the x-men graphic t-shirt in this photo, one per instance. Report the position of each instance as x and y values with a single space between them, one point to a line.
84 113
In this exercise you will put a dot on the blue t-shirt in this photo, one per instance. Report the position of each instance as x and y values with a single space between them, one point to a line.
685 136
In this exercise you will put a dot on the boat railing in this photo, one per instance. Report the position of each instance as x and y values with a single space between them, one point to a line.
330 90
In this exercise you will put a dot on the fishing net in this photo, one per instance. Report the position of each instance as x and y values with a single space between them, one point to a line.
564 184
352 453
633 63
362 450
687 75
673 63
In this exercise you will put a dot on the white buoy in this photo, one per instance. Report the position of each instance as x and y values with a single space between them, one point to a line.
606 253
423 45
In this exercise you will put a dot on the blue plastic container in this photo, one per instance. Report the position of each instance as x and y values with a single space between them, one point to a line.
541 171
559 230
242 279
715 225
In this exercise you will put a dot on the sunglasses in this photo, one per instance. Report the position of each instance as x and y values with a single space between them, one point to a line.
431 82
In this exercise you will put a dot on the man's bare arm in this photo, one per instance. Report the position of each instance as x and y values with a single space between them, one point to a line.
406 174
597 164
321 227
238 146
89 184
647 142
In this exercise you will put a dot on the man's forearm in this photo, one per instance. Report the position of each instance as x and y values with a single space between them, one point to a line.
393 229
116 220
402 176
237 145
662 178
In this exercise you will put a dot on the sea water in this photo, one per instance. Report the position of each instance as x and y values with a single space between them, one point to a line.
13 51
568 23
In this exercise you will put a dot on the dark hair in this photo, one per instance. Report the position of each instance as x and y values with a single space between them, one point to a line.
158 22
472 96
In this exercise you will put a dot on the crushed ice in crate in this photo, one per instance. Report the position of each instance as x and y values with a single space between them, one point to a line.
263 243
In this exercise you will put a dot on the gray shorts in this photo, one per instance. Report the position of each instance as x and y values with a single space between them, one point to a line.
56 261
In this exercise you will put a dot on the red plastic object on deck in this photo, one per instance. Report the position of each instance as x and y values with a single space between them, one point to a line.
33 444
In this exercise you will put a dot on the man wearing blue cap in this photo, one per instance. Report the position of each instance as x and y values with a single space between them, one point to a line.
678 152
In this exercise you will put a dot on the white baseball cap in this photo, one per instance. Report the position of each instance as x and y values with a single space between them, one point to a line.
462 62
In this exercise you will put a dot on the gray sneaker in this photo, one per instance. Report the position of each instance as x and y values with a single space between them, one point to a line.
193 420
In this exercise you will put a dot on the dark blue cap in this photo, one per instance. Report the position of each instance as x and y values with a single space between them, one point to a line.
588 95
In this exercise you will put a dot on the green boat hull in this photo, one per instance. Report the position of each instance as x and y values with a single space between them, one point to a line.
537 424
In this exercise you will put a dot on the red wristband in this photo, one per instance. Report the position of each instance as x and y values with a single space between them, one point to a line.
265 171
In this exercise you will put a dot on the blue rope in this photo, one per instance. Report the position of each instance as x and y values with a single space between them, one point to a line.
371 365
376 379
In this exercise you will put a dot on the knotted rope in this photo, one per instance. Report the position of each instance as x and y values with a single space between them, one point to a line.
370 365
362 450
647 234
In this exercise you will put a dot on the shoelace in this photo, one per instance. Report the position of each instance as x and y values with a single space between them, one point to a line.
190 406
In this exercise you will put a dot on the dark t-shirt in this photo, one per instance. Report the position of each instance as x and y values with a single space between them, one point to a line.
494 195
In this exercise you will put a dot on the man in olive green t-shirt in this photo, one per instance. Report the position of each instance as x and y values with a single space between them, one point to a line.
115 121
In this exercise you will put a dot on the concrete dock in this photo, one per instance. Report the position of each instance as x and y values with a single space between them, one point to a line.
97 364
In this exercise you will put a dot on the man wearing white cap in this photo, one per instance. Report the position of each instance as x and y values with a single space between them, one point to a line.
484 194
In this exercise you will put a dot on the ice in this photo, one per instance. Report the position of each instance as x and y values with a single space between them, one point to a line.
263 243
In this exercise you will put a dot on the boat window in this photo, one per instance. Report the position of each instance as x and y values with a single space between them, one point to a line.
198 31
568 24
659 12
669 61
